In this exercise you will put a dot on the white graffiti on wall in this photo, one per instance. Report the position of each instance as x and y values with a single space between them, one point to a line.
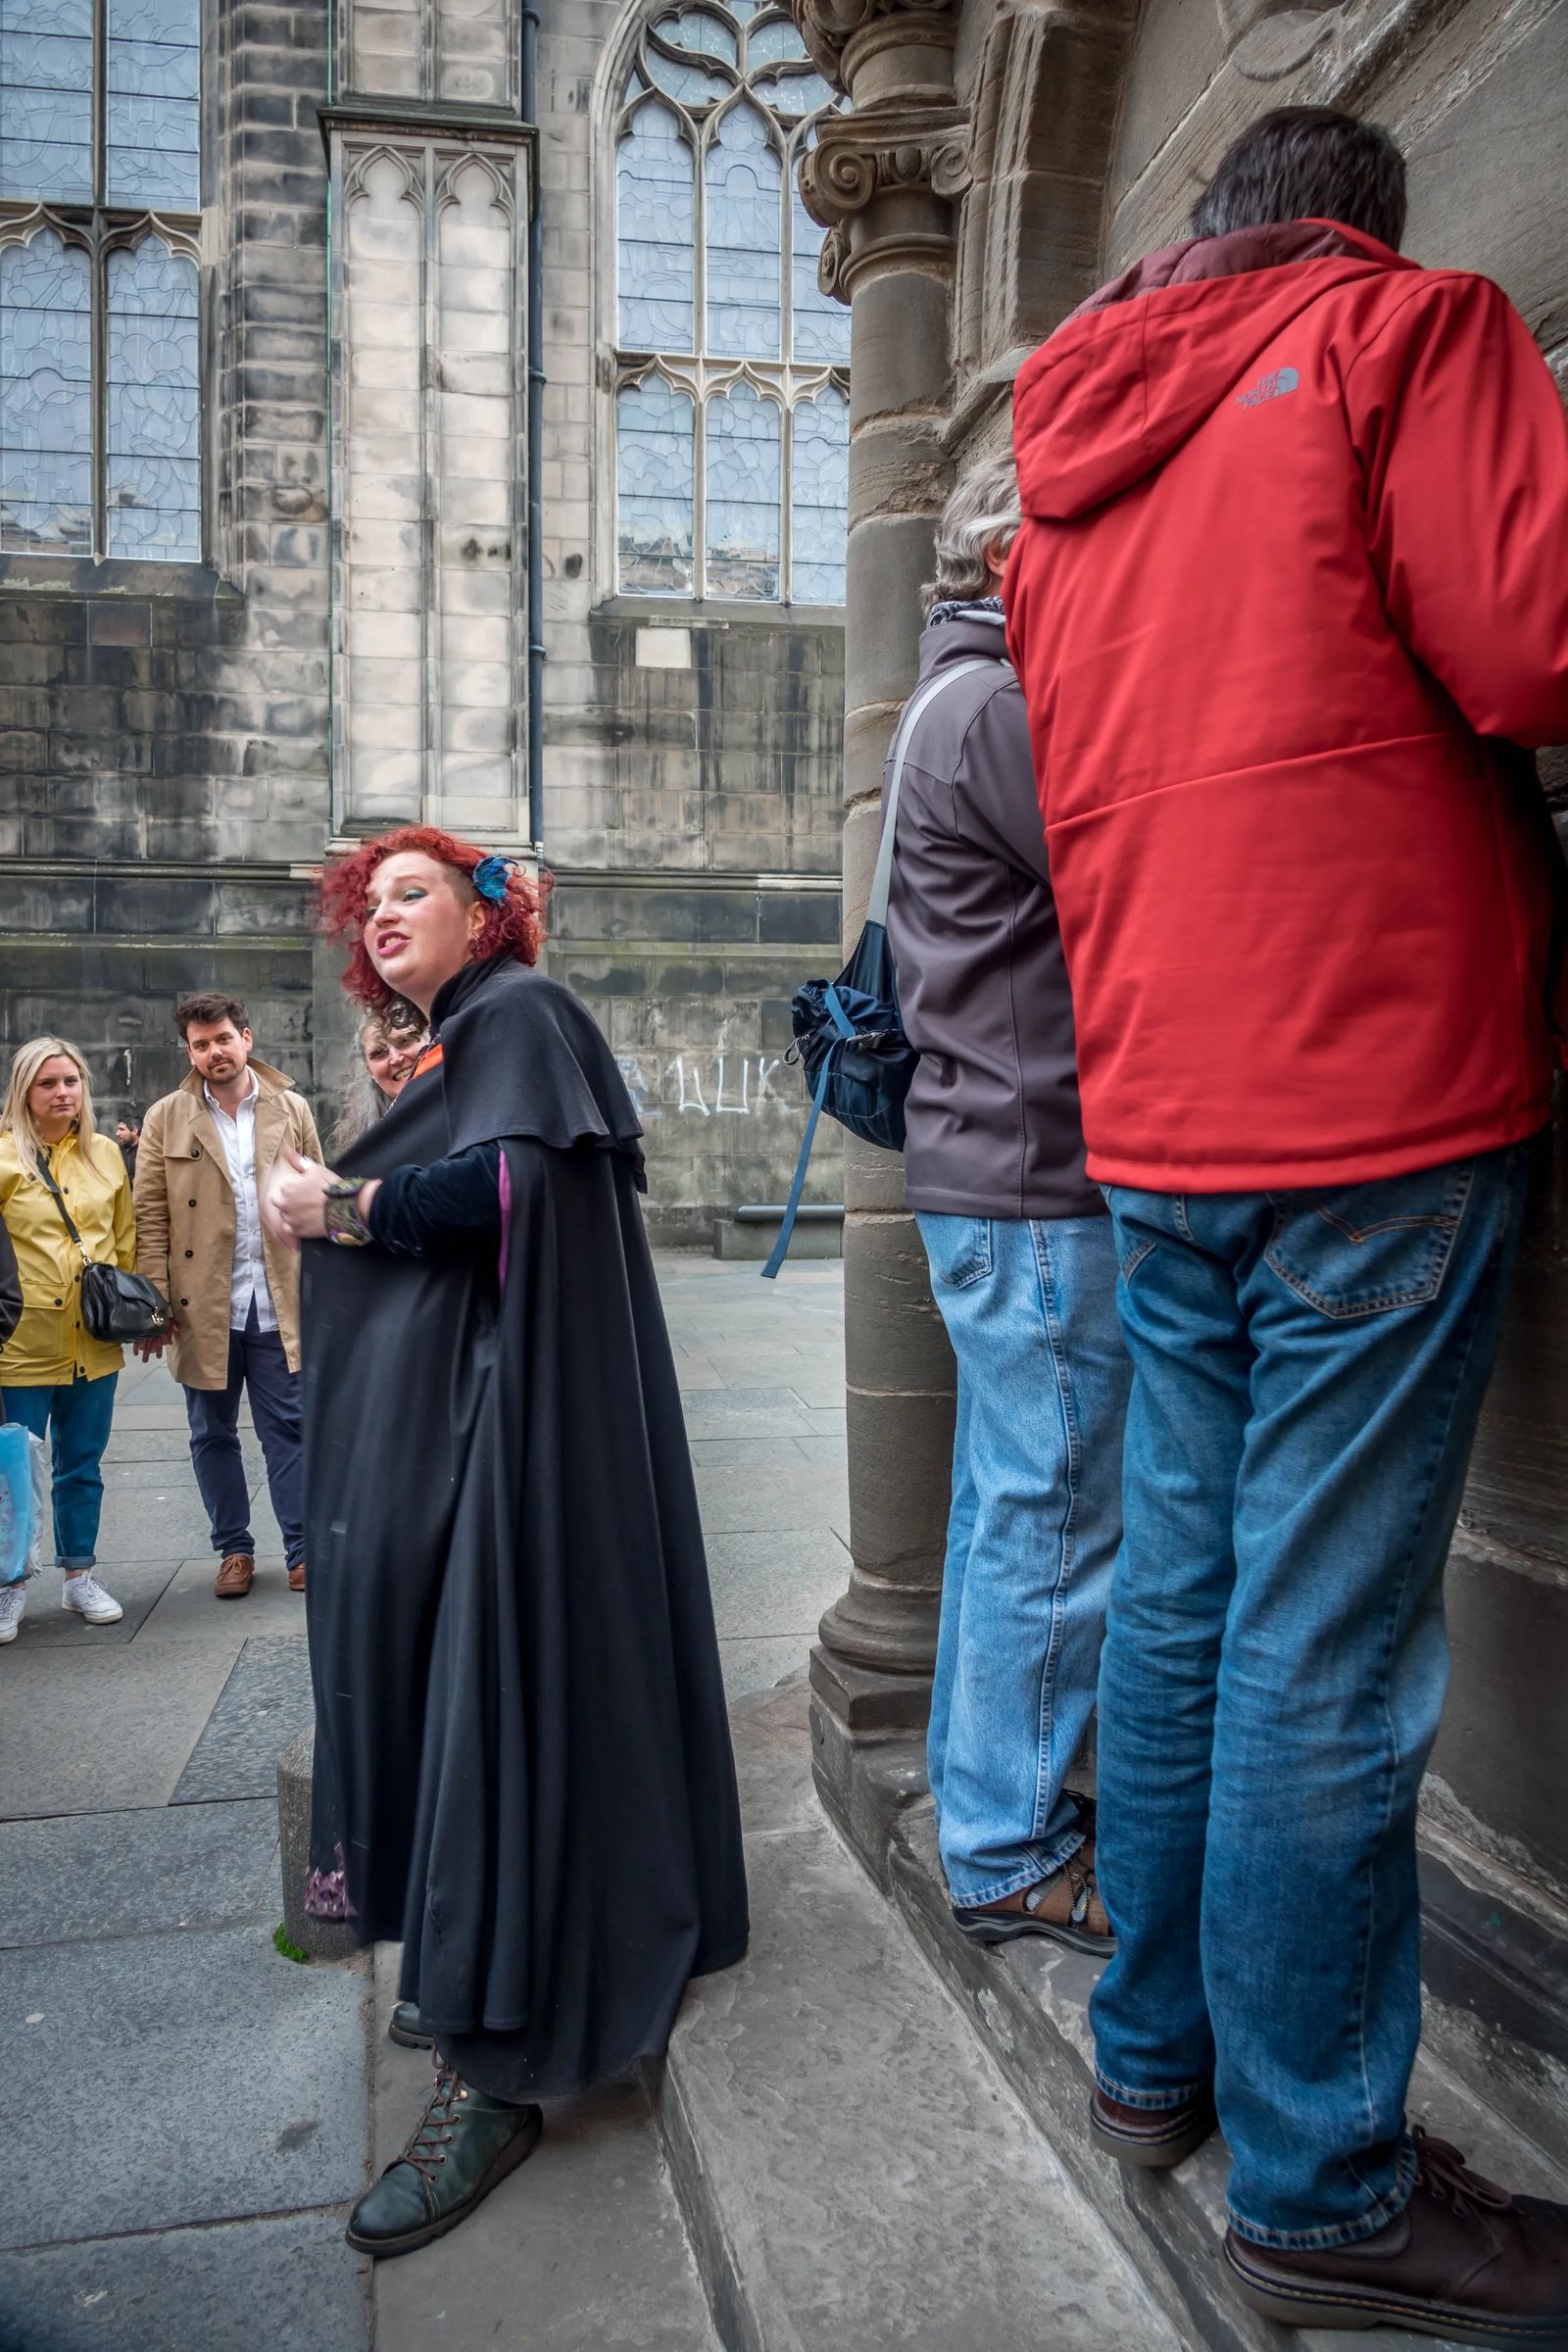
712 1086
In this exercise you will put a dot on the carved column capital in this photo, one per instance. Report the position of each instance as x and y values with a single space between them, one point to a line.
838 32
918 154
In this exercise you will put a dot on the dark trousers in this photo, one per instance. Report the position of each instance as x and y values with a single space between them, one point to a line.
257 1362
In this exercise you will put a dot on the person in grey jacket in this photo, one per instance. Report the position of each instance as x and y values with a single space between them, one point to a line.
1023 1268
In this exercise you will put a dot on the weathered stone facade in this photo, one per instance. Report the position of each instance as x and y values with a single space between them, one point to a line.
180 745
999 161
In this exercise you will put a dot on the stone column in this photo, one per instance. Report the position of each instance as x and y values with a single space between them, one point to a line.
882 180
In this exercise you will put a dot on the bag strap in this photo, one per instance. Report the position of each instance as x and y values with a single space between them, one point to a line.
914 709
47 1173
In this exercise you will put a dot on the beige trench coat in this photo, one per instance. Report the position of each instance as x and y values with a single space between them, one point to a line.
185 1219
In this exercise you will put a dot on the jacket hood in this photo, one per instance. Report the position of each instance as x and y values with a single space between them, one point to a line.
962 639
1139 367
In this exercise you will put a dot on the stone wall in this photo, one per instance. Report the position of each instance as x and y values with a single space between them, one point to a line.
164 727
180 745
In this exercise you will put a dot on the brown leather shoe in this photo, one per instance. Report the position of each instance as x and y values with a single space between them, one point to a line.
1067 1907
1464 2259
1153 2138
235 1576
296 1577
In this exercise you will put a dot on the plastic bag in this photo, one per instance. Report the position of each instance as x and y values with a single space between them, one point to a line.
24 1503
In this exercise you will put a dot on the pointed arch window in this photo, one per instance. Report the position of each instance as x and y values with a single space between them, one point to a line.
99 228
731 366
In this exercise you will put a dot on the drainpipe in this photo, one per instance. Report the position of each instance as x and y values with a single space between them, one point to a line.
535 439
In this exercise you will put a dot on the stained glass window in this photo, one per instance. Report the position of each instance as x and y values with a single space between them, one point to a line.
657 212
46 396
99 230
743 171
153 487
152 103
658 486
732 420
745 468
820 478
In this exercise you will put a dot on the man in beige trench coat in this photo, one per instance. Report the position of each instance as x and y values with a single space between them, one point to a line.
204 1154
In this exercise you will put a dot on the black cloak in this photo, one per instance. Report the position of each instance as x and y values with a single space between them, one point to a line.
523 1754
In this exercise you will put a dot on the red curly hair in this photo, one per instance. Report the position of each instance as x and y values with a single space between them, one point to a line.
513 926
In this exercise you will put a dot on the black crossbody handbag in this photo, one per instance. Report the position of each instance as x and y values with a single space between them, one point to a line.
116 1306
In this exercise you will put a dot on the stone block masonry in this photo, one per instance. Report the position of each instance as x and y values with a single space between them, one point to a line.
181 744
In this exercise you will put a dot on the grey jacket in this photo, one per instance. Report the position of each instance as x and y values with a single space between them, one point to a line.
992 1113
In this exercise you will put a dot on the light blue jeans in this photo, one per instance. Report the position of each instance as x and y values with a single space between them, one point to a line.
77 1416
1308 1368
1031 1312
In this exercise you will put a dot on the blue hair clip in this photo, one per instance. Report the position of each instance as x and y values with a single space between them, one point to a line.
490 878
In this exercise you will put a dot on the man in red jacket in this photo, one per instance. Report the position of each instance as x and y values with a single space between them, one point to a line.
1291 589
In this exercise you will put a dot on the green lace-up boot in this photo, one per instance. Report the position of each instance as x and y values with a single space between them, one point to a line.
465 2145
407 2027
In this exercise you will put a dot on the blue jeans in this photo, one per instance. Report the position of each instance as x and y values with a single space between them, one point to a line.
256 1361
1308 1372
77 1416
1031 1312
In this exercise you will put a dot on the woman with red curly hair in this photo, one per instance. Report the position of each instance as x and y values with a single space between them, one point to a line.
523 1759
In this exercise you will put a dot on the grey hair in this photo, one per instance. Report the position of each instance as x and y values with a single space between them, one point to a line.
983 508
360 1103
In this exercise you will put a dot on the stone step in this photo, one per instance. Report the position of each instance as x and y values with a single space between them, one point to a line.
854 2170
1029 2003
581 2247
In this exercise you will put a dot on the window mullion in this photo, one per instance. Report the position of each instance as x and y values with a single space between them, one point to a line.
700 351
100 279
700 484
786 478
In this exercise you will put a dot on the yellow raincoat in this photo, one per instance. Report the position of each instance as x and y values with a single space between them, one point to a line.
51 1344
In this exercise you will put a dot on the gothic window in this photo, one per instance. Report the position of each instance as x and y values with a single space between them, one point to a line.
732 414
99 235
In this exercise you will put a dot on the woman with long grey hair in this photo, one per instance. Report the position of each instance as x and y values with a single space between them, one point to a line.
387 1048
1022 1267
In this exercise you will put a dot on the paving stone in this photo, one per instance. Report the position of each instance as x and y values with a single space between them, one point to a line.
769 1727
243 2287
106 1731
188 1609
756 1661
738 1499
265 1703
184 1866
146 1446
777 1582
762 1453
586 2239
855 2170
196 2076
134 1584
744 1412
169 1530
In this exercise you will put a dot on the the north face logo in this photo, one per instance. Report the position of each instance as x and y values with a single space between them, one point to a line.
1273 386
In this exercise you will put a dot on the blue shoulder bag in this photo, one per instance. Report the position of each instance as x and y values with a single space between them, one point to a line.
849 1034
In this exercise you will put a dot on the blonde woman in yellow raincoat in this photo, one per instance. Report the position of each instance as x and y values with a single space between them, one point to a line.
55 1377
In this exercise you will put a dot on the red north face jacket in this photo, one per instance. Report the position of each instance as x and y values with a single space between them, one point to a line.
1295 546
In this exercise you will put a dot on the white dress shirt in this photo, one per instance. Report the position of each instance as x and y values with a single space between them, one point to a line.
248 1278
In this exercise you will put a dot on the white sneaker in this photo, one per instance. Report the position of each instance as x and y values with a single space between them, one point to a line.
87 1597
13 1608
